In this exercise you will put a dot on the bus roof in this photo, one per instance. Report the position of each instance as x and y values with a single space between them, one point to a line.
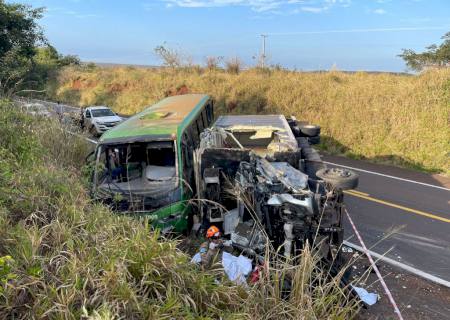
160 120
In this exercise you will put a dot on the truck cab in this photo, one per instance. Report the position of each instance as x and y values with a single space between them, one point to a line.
99 119
264 185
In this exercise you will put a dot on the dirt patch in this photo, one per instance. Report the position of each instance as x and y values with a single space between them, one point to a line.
183 89
79 84
416 298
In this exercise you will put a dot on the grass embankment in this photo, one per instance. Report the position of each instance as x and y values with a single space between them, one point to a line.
397 119
64 257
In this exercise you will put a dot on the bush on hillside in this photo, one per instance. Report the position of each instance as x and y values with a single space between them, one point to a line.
233 65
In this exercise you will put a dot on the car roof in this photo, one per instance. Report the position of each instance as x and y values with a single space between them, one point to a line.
98 107
160 119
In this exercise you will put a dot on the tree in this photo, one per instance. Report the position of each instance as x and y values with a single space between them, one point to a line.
435 56
27 60
44 66
170 57
213 62
19 36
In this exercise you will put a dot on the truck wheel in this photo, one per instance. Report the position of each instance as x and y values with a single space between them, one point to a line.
296 131
310 130
339 178
314 140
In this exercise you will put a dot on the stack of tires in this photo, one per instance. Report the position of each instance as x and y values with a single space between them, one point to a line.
307 135
311 132
304 130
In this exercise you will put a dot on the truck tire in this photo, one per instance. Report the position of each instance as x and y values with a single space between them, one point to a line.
314 140
310 130
296 131
339 178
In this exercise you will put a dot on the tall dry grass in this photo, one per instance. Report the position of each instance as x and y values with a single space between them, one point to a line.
389 118
64 257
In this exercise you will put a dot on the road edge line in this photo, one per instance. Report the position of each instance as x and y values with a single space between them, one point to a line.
388 176
400 265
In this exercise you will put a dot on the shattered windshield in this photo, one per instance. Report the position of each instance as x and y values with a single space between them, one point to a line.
138 168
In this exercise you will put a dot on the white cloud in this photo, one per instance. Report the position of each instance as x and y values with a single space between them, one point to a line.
314 9
314 6
379 11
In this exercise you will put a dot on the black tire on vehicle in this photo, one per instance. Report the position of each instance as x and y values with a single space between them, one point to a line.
310 130
296 131
314 140
339 178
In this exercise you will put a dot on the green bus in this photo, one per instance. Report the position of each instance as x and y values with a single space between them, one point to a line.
145 166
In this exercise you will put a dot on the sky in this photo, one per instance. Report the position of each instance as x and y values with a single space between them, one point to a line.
302 34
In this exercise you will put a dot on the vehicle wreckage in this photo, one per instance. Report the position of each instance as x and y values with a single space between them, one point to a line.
255 176
260 179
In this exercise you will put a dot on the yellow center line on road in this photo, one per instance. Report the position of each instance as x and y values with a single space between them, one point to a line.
360 193
390 204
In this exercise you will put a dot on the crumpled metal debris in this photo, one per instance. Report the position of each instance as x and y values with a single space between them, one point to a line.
279 199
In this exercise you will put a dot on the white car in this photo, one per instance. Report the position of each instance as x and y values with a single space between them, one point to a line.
37 109
98 119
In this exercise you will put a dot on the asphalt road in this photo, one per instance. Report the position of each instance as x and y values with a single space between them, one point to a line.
408 221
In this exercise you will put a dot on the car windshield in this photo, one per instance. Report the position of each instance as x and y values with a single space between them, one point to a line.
102 113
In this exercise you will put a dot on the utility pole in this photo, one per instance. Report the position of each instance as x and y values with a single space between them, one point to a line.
263 55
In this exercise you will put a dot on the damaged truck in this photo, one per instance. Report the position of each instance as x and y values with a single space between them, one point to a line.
255 176
265 185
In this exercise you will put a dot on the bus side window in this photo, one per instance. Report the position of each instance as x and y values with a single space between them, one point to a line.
209 113
194 133
204 118
188 161
199 123
186 144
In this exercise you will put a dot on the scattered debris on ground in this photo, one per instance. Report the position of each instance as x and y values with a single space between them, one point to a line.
416 298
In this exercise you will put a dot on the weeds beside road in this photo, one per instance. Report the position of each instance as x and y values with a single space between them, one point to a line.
65 257
396 119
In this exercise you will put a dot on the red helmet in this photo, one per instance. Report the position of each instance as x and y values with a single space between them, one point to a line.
213 231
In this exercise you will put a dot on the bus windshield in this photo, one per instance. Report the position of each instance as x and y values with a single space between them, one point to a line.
137 168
